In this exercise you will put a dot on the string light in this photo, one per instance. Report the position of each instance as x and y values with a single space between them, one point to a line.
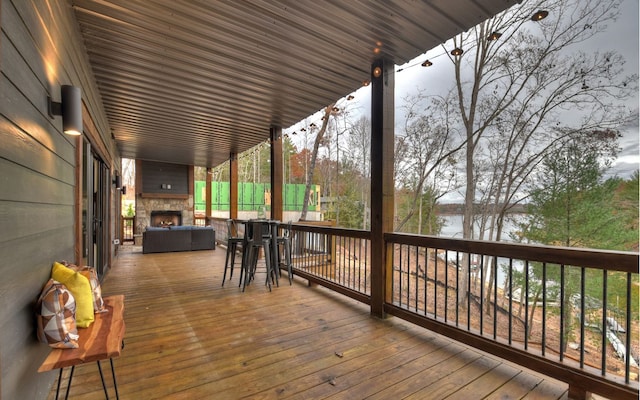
537 16
540 15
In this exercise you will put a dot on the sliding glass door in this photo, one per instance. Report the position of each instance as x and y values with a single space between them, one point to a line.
95 210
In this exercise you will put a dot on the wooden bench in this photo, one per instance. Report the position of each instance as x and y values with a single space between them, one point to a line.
102 340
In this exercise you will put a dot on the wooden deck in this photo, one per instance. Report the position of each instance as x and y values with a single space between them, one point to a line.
189 338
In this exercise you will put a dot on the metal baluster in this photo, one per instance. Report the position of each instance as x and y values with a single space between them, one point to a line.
544 308
495 297
603 343
562 316
446 284
582 321
526 304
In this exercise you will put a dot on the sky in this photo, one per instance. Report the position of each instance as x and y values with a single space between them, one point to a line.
622 36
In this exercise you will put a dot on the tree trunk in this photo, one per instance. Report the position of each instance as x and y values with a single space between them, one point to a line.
314 156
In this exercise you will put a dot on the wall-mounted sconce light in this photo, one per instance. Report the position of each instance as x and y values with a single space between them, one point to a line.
377 71
117 181
70 108
124 190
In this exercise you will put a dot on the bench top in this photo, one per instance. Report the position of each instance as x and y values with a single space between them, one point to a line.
100 341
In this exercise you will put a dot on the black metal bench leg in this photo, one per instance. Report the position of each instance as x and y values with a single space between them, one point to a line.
113 373
59 381
66 396
104 385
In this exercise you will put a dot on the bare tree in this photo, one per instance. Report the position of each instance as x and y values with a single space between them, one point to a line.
128 172
359 152
528 90
314 156
425 152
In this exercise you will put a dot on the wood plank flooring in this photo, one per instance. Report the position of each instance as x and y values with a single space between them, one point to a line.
187 337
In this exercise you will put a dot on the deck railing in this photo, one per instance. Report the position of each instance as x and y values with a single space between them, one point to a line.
128 229
545 308
200 220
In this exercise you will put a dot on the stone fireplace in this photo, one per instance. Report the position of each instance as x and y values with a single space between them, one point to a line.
164 195
162 218
146 207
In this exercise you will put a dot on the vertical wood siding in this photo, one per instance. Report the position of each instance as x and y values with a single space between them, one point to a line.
40 50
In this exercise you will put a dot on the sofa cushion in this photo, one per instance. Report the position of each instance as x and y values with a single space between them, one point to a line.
180 228
156 228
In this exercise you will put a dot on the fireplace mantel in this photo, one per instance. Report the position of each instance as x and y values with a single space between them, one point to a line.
164 196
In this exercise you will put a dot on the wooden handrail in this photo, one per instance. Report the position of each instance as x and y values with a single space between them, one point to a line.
342 273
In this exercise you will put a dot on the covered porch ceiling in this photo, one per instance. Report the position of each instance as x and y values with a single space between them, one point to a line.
189 82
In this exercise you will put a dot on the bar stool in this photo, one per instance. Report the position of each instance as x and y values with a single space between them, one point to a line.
259 237
284 240
233 239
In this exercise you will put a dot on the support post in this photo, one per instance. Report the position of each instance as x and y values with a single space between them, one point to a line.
382 188
233 186
276 173
207 197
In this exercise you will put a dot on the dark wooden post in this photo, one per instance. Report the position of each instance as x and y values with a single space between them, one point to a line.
233 186
276 173
382 192
191 189
207 197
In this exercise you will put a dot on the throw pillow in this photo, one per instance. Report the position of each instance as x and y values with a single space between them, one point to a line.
91 274
80 287
55 315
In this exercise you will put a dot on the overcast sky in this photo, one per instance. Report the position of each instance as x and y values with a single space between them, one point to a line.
622 36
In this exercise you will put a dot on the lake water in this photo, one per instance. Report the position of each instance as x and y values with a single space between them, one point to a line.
453 229
453 226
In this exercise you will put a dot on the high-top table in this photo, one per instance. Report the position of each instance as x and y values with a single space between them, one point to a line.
273 230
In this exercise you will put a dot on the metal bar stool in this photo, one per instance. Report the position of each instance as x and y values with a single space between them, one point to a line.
284 260
233 239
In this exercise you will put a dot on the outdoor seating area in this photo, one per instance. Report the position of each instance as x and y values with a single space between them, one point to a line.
461 179
178 238
188 337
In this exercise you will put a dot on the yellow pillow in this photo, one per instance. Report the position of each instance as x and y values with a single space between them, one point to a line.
80 288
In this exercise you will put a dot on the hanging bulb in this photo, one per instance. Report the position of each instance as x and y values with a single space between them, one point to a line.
540 15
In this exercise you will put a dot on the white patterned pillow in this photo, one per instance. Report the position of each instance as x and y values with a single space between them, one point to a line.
56 316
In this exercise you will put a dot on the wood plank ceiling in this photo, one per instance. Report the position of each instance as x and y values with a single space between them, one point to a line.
189 82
